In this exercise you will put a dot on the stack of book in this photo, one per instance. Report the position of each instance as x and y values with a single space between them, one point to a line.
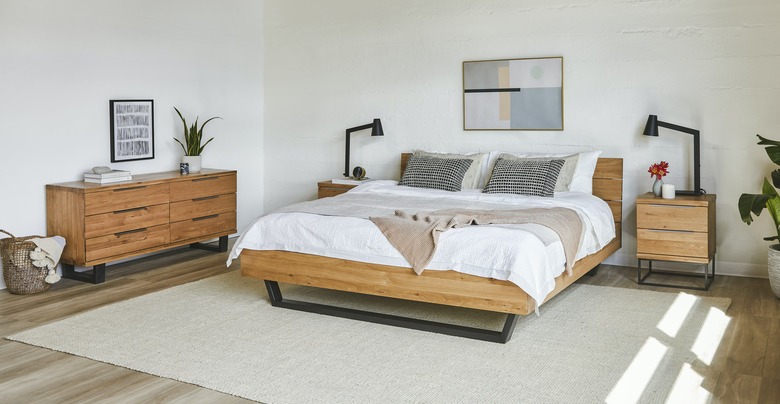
108 177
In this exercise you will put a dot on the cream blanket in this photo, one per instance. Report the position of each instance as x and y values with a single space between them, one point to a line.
415 236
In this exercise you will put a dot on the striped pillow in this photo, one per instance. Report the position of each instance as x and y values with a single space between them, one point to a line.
524 177
435 173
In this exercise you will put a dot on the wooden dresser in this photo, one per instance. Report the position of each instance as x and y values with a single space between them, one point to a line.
680 230
103 223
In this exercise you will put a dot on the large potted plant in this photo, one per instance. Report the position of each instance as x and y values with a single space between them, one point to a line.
754 204
193 145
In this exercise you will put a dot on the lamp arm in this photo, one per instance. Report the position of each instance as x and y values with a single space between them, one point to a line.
346 152
696 154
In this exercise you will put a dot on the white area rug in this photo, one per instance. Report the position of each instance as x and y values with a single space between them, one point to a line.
223 334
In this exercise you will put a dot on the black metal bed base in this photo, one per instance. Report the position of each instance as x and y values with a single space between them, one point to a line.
275 294
707 276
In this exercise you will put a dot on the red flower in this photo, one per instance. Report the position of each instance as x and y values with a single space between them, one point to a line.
659 170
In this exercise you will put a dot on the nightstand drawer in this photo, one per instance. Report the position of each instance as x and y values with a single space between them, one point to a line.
203 186
127 197
125 242
124 220
203 226
671 217
676 243
205 206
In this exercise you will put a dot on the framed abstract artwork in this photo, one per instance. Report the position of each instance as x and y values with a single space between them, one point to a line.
132 130
513 94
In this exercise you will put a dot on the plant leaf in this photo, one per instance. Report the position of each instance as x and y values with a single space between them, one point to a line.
765 141
771 238
754 203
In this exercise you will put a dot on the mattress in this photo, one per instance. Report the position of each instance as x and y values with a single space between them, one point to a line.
528 255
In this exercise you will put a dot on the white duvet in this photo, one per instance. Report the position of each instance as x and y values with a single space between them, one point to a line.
528 255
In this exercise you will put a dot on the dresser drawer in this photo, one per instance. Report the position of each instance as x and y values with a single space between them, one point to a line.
121 198
221 223
671 217
203 186
124 220
675 243
126 242
205 206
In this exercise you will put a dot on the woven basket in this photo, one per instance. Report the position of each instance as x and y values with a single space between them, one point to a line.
20 275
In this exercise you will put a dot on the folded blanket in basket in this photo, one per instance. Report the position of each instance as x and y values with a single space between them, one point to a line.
51 249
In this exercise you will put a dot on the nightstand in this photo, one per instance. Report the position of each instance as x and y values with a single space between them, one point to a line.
678 230
328 188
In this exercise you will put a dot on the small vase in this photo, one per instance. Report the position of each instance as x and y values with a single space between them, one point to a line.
193 161
656 186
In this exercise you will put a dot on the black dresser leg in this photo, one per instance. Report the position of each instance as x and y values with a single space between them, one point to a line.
96 275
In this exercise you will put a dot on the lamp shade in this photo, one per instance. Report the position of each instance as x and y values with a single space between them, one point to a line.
376 128
651 128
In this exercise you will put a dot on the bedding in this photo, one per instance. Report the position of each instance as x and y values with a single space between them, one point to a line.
528 255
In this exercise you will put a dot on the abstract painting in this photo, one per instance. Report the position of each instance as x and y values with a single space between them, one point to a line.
132 130
513 94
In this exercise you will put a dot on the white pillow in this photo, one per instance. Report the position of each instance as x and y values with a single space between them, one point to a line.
582 179
473 177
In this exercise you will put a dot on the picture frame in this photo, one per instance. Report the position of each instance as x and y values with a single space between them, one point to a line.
132 130
513 94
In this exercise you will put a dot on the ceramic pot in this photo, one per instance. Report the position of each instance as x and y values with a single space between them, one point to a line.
657 185
774 268
193 161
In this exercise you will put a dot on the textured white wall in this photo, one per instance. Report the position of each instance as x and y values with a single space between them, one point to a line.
62 61
705 64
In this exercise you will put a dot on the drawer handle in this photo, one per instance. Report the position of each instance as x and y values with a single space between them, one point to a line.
117 212
205 179
205 198
130 188
670 231
672 206
204 217
123 233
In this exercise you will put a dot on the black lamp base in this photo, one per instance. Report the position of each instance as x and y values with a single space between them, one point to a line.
692 193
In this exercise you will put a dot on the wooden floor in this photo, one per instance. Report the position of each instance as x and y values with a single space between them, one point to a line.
746 368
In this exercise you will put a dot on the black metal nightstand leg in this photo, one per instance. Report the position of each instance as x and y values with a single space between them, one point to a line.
708 276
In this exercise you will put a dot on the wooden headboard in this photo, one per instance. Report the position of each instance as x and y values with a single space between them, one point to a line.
607 185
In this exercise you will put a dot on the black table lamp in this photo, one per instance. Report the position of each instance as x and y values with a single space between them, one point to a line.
376 130
651 129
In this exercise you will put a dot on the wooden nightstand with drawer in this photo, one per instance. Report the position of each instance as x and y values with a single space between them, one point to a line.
327 189
679 230
151 212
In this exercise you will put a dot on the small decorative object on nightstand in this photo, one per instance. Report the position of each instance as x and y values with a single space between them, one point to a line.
679 230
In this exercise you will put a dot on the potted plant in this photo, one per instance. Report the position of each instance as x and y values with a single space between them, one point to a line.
193 145
750 204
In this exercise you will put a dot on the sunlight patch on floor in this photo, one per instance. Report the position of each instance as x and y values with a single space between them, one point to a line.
677 313
687 388
635 379
710 334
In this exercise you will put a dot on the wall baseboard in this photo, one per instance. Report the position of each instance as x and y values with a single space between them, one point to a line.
721 268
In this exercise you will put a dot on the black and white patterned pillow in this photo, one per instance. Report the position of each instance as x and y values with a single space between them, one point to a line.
524 177
435 173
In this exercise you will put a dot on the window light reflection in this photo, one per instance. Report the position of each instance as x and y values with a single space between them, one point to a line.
676 314
635 379
710 334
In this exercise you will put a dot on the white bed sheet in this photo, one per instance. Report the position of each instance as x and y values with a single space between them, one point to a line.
528 255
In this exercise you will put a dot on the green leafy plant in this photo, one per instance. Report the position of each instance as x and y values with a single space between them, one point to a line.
768 198
192 136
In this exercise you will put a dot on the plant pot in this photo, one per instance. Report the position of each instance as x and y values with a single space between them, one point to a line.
193 161
774 268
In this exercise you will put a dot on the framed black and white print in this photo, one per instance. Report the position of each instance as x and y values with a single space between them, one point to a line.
132 130
513 94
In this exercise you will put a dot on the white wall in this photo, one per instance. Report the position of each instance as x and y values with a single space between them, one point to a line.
705 64
62 61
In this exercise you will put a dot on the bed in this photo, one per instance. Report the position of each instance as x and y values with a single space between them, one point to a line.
447 287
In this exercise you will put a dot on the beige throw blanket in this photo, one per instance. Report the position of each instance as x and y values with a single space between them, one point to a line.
415 236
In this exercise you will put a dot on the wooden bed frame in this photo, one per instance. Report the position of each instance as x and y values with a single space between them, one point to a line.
442 287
